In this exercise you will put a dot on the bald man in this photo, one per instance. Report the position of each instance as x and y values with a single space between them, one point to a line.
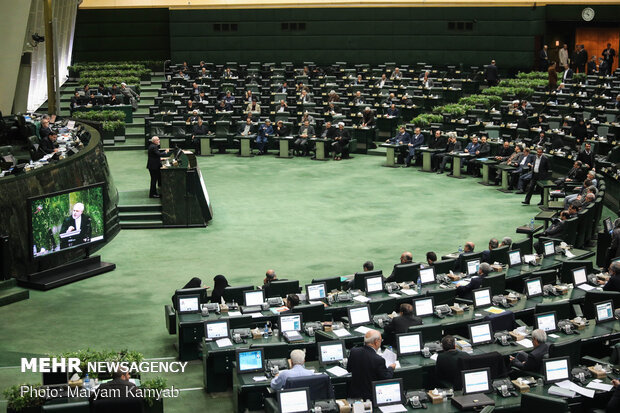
405 258
298 358
366 366
77 222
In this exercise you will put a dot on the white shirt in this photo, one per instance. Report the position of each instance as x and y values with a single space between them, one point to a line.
78 223
537 163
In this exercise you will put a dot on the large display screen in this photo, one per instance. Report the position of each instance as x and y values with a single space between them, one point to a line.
64 220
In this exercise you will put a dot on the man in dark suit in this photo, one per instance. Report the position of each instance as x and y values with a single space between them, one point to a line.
522 164
608 55
118 387
417 140
78 221
491 74
437 141
440 160
341 142
613 284
567 75
447 364
544 59
465 291
48 143
592 69
153 164
581 59
540 172
400 324
486 254
402 138
587 156
45 129
366 366
532 361
405 258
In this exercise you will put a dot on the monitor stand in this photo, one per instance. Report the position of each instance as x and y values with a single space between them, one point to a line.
66 273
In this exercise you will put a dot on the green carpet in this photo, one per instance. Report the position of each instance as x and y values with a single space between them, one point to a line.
302 218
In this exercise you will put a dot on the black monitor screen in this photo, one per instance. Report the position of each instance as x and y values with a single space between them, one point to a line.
64 220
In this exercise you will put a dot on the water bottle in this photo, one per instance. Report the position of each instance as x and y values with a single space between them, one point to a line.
460 250
532 223
266 331
419 284
87 383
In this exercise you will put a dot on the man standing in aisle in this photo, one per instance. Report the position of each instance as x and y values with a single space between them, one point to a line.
153 164
540 172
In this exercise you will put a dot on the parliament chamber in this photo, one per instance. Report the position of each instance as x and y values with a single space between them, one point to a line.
472 140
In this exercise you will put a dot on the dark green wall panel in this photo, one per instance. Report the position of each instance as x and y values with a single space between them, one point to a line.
132 34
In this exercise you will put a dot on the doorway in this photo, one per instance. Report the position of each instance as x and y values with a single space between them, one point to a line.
595 40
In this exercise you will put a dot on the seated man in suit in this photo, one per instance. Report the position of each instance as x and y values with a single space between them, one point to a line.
576 173
417 140
368 118
556 228
199 129
438 141
486 254
441 159
306 131
283 88
76 101
447 363
253 109
587 156
366 366
400 324
523 167
77 221
248 128
473 148
613 284
115 100
48 143
341 142
283 106
475 282
281 130
359 99
468 247
298 358
405 258
431 257
118 387
262 137
532 361
393 111
402 138
381 83
426 81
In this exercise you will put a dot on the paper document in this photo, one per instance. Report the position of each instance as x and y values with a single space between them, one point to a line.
569 254
257 315
393 408
567 384
408 291
337 371
553 335
361 298
394 295
234 314
434 356
494 310
260 378
223 342
586 287
599 386
362 330
341 333
389 356
526 342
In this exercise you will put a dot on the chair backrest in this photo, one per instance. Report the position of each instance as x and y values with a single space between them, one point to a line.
243 321
331 283
469 256
274 350
569 234
537 403
492 360
566 270
412 379
430 332
546 276
383 306
311 312
562 309
571 349
496 282
593 297
504 321
231 294
282 288
525 246
65 406
118 405
406 272
443 266
320 385
499 255
443 296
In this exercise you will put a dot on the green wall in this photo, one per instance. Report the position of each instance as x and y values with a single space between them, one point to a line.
128 34
358 35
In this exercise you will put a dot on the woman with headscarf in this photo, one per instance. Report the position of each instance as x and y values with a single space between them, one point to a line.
193 283
219 283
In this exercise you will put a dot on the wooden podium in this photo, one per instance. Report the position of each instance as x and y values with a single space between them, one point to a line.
184 197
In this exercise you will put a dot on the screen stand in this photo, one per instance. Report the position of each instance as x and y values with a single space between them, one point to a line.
67 273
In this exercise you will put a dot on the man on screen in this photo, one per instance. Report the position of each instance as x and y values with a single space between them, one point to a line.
76 229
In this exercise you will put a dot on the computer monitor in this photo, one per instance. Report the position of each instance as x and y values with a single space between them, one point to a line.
547 322
373 284
424 306
296 400
253 298
187 304
387 392
556 369
406 272
290 322
316 292
533 287
476 381
359 315
580 276
472 267
604 311
608 225
480 333
235 294
217 329
427 275
514 258
482 297
281 288
331 352
548 248
408 343
359 278
250 360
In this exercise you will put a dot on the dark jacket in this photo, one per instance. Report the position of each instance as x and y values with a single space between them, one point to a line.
126 389
399 324
613 284
447 367
438 143
85 228
465 291
154 155
47 146
366 366
586 158
534 359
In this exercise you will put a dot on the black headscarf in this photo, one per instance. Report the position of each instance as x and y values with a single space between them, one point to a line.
193 283
219 283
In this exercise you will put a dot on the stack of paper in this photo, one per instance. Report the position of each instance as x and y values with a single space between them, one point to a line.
341 333
337 371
